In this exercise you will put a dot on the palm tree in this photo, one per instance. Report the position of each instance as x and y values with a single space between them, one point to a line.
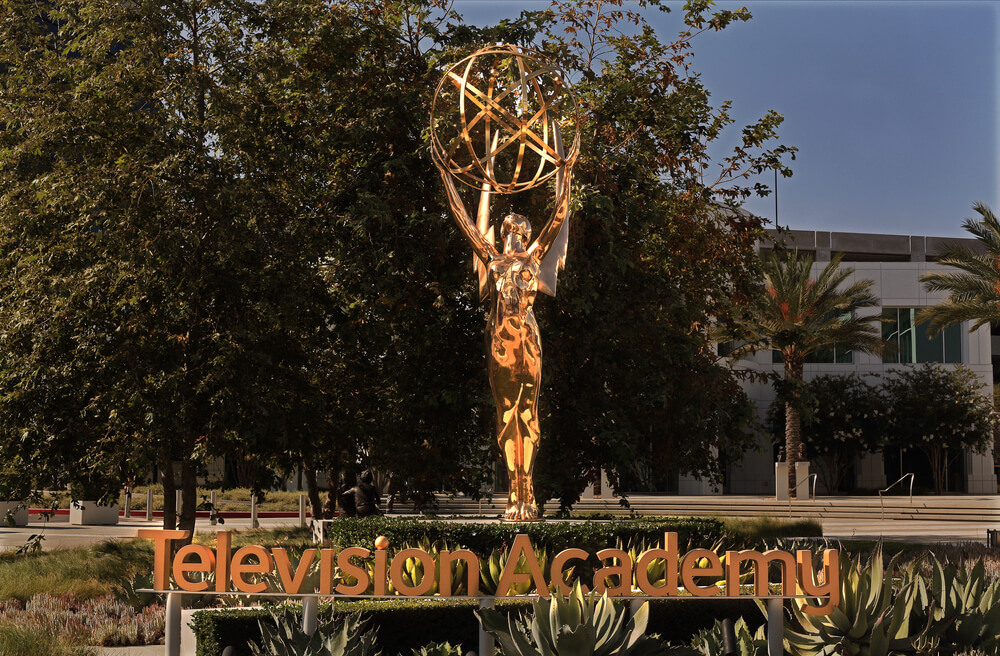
973 290
799 315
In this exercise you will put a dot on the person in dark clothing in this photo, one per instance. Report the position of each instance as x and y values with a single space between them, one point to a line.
367 500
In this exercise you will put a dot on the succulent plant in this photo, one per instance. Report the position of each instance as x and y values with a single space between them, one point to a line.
710 642
439 649
871 619
285 637
572 625
490 571
961 609
128 591
413 569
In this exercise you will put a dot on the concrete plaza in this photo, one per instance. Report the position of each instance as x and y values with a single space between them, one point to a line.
922 519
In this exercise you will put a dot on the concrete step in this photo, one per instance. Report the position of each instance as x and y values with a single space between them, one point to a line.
984 509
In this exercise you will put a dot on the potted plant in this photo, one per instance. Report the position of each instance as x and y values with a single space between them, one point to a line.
93 503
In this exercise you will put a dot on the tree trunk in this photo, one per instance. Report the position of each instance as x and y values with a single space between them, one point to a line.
793 421
169 495
189 495
330 507
939 467
309 472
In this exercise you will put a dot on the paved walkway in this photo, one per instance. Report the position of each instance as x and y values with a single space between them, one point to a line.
952 518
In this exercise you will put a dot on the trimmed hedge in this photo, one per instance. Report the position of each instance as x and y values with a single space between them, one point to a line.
483 538
404 625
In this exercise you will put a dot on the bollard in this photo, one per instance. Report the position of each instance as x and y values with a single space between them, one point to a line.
253 511
775 627
991 538
486 643
149 504
302 510
128 503
172 637
211 515
310 613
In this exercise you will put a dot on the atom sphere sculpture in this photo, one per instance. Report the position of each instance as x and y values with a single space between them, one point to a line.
496 125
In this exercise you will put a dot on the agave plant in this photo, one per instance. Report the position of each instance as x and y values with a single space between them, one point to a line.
439 649
572 625
285 637
961 609
709 642
128 591
489 573
413 569
871 619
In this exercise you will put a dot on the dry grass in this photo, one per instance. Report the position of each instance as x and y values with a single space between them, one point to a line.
767 527
33 641
86 572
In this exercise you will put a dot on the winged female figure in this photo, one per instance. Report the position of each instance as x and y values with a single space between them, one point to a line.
511 279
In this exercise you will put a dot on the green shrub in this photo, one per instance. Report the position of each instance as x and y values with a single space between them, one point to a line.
482 539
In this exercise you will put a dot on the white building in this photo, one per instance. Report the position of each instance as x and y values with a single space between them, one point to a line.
895 264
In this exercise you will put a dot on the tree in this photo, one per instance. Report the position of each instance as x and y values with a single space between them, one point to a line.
799 315
162 299
941 412
973 290
844 418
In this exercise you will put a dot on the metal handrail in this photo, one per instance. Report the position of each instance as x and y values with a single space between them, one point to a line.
814 478
912 478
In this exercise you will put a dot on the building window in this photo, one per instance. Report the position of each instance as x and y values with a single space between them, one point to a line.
913 344
823 356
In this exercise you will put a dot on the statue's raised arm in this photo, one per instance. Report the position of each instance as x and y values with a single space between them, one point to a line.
483 249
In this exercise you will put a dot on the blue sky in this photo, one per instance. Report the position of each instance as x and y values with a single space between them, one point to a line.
893 105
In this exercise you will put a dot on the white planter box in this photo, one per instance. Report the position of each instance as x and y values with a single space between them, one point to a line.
20 516
88 513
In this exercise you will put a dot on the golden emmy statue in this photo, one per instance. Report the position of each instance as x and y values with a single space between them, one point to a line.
509 102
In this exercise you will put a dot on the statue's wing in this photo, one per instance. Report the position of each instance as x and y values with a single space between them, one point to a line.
554 261
555 255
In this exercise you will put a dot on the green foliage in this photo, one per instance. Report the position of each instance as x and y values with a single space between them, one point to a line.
483 539
940 411
439 649
86 572
872 617
283 636
401 625
34 641
128 590
799 314
974 289
843 417
573 625
748 642
222 236
961 607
